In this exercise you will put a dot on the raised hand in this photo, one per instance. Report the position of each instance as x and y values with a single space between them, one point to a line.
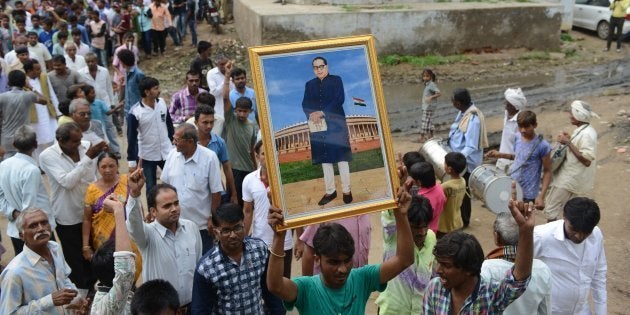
136 181
275 217
403 200
523 213
111 203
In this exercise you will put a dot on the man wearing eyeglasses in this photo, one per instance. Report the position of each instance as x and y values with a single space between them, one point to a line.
170 245
330 141
227 278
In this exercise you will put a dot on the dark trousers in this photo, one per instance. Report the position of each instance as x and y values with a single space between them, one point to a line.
159 40
144 41
239 176
71 237
207 241
466 208
273 304
150 172
615 23
18 244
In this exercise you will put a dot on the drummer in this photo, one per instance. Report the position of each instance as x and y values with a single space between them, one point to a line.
467 136
531 155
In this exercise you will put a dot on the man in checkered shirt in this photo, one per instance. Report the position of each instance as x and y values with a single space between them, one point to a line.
227 278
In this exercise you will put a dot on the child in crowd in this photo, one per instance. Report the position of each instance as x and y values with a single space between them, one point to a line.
454 190
202 63
430 93
424 177
58 48
115 270
155 297
404 293
531 155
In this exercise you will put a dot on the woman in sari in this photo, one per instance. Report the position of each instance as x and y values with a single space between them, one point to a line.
98 223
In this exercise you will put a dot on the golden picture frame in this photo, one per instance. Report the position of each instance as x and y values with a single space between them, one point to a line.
320 104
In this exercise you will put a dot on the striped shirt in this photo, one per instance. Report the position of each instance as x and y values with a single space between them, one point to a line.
28 282
222 286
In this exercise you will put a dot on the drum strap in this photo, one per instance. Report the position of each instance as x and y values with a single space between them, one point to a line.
531 151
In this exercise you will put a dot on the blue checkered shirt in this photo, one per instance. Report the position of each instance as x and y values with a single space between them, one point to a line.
487 298
222 286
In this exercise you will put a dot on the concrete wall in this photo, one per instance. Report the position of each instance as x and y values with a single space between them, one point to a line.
422 28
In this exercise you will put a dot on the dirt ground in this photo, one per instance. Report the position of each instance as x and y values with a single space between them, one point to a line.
613 160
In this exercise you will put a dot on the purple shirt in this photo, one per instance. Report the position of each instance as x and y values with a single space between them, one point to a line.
183 104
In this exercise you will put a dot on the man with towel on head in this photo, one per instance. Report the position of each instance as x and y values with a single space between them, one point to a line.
515 101
577 174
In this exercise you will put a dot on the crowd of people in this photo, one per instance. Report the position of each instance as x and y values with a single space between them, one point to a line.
204 240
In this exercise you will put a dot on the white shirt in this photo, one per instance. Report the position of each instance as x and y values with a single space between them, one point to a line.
165 255
10 57
41 53
153 142
102 84
77 63
21 187
255 191
577 269
573 175
83 49
216 80
68 181
508 137
46 125
195 179
536 297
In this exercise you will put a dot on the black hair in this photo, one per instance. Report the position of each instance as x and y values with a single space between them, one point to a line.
228 213
430 73
87 88
420 210
29 64
155 190
456 160
424 173
203 110
203 46
60 59
106 155
462 96
244 102
64 107
332 239
31 33
320 58
17 78
193 73
236 72
75 31
103 263
257 147
463 248
412 157
153 297
582 213
206 98
127 57
62 35
62 134
147 83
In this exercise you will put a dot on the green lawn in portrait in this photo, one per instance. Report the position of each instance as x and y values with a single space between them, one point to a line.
305 170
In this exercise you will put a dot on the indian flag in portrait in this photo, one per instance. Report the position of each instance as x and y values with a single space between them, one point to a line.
358 101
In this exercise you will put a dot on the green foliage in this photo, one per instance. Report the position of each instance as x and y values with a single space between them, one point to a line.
566 37
422 61
350 8
293 172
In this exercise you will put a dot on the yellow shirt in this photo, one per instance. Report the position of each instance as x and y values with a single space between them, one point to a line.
619 8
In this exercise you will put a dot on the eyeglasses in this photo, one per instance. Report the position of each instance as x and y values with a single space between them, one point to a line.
84 114
225 232
320 67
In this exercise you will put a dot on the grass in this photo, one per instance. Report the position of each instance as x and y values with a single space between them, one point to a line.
536 55
293 172
566 37
422 61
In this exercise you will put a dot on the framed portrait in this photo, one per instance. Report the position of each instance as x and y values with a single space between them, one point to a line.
325 131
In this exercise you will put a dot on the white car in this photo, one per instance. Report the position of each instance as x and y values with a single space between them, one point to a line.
595 16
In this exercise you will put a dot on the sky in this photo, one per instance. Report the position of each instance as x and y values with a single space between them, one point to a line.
285 75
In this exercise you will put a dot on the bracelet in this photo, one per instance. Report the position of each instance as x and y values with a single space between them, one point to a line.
87 248
274 254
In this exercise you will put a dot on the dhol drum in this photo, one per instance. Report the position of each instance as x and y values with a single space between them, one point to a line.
493 187
434 151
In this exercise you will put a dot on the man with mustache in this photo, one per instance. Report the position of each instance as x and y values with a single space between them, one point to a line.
36 280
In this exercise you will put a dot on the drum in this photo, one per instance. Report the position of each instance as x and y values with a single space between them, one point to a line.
493 187
434 151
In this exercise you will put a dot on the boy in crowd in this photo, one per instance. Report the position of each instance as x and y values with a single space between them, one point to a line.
339 289
155 297
424 177
531 154
202 63
454 190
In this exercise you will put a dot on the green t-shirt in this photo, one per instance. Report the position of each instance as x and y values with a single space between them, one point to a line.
240 138
313 297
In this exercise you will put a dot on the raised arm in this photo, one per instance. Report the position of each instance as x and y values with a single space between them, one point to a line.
227 105
524 216
135 224
277 284
404 242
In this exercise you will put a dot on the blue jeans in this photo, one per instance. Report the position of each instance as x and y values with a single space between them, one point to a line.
102 56
179 21
110 130
144 41
150 172
192 24
174 33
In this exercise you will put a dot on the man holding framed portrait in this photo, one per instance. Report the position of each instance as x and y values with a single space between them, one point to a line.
328 131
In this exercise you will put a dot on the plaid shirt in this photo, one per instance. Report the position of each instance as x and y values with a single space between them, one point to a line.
223 287
487 298
182 105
